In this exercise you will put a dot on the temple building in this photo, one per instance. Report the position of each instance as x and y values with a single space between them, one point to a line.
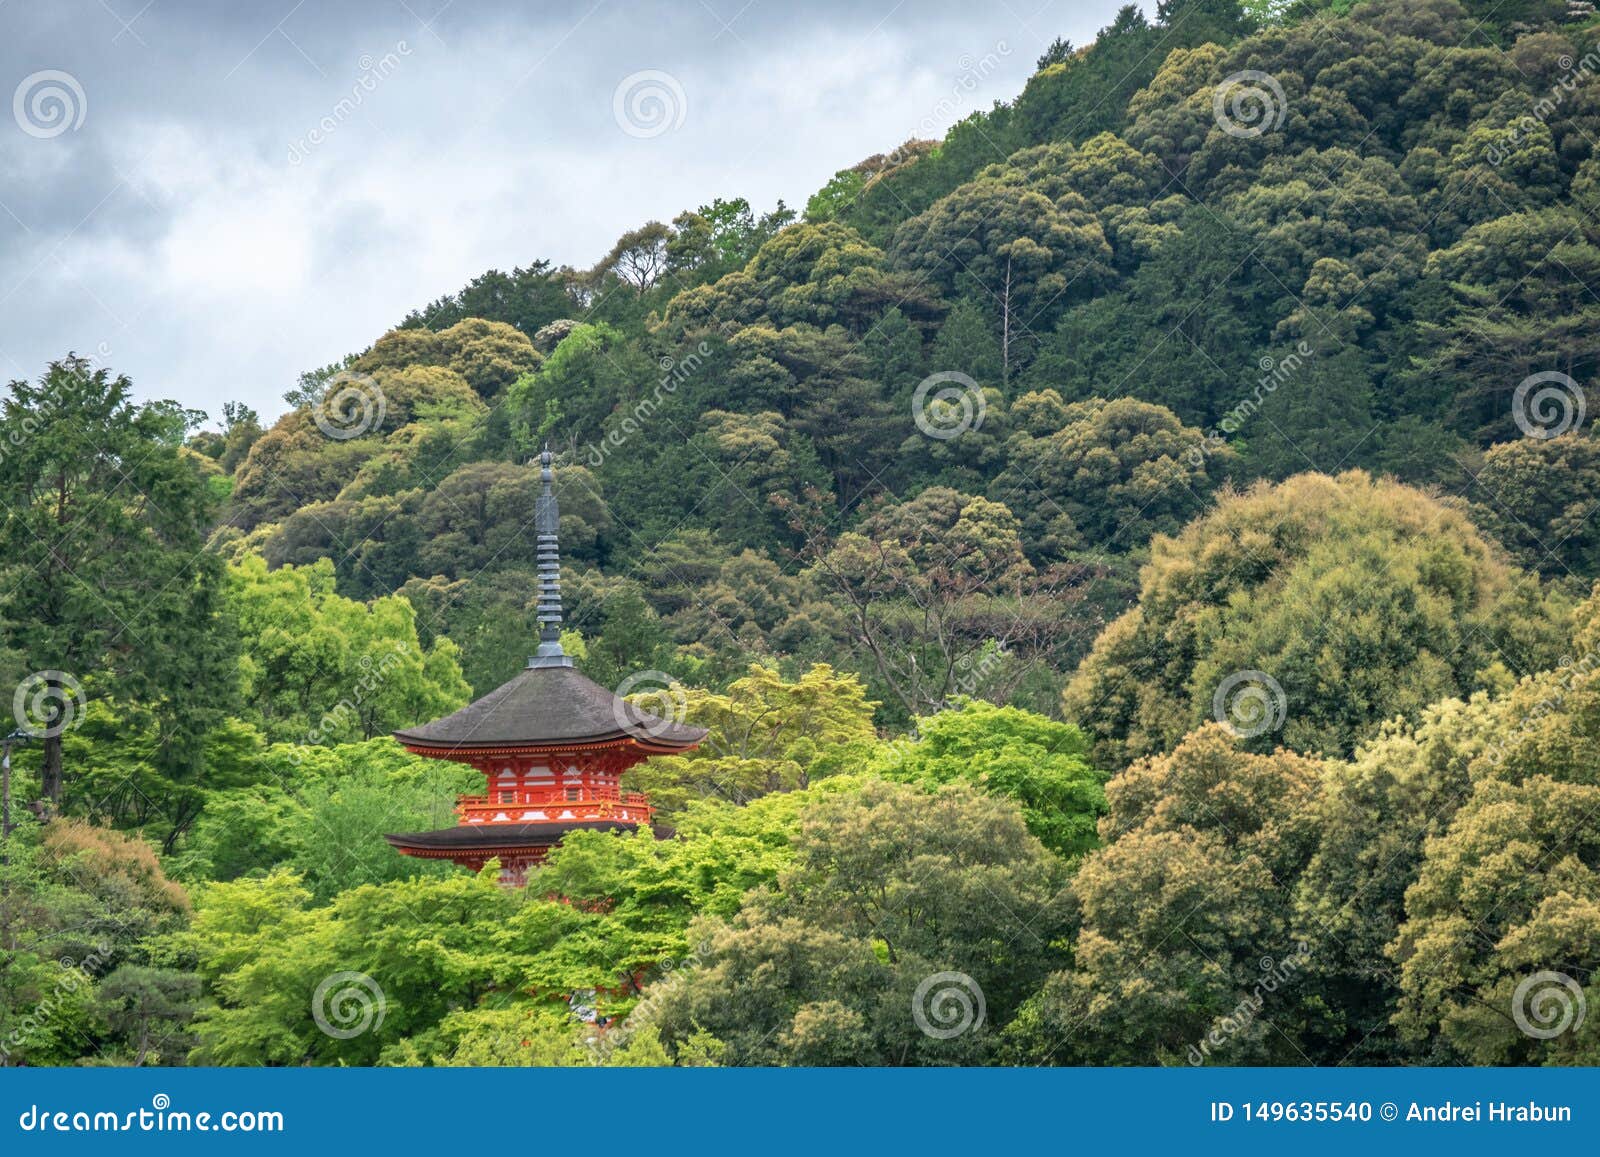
552 746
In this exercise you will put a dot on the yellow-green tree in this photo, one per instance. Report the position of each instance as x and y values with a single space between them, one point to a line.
1333 603
766 734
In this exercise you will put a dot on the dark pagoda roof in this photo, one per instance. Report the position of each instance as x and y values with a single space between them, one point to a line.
470 836
550 707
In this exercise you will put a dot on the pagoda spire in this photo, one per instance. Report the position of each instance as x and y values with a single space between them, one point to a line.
546 524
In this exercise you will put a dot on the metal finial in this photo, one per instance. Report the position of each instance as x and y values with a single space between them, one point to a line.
546 524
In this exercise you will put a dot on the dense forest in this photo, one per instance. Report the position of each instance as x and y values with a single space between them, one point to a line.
1134 558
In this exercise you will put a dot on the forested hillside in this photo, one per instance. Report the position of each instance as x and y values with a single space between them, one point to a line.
1134 557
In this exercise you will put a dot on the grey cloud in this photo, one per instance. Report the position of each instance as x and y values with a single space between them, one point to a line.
173 231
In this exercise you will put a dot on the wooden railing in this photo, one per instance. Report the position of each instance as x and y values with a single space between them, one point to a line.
555 807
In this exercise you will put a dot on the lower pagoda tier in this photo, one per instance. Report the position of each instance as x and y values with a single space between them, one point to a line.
551 744
518 847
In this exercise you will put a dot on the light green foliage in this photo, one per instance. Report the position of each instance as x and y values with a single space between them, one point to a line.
264 952
320 668
1042 764
765 734
324 812
467 969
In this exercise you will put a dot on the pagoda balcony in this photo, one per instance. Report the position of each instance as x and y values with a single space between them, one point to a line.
532 807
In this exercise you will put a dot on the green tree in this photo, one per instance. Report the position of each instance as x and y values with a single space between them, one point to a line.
889 890
526 298
1308 613
103 536
766 735
1042 764
1188 949
150 1009
940 599
1020 256
317 667
1105 474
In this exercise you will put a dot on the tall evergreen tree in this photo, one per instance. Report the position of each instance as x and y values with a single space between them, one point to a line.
107 579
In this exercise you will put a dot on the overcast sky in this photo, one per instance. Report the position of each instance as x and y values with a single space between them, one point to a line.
214 197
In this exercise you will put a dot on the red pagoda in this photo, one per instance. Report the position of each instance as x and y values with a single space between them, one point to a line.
552 746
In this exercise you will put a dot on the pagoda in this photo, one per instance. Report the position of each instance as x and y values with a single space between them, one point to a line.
552 746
